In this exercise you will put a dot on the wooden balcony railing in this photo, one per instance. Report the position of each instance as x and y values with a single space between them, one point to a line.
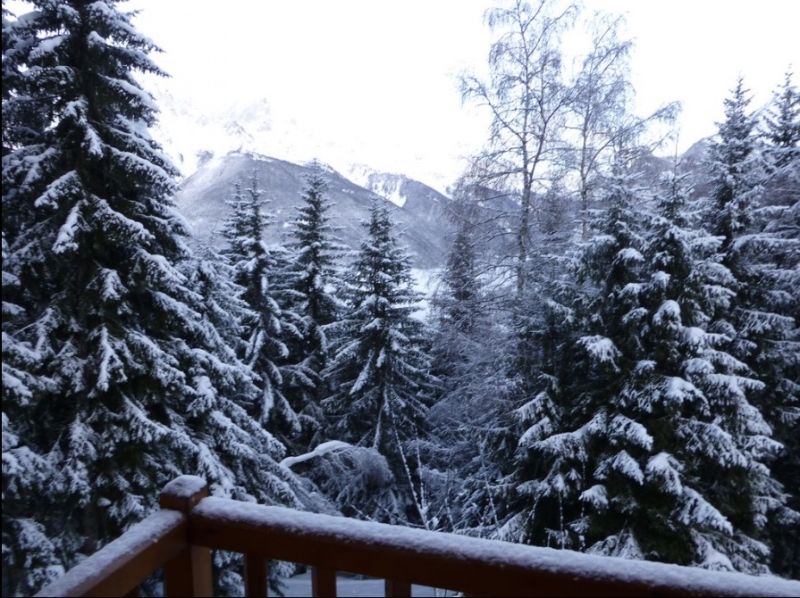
179 538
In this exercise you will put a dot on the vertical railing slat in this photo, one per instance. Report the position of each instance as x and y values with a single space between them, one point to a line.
255 575
397 588
189 573
134 593
323 582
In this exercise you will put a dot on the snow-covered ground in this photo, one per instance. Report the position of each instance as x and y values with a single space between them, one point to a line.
300 585
425 282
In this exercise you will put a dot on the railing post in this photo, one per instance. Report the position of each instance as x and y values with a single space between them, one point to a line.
323 582
255 575
396 587
189 573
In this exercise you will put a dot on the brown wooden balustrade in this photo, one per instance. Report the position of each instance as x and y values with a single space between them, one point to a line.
179 538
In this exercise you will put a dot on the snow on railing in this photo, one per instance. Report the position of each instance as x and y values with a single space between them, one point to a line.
400 555
120 566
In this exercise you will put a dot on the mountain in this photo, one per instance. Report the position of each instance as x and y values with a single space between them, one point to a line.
421 217
215 147
694 161
192 135
412 196
192 131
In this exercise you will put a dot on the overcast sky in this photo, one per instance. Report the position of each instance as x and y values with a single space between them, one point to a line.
380 76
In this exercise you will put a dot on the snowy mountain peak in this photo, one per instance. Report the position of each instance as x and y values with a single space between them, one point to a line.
397 188
192 135
387 185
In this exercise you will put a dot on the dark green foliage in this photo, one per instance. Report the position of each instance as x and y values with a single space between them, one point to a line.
734 168
782 128
648 407
379 374
267 326
313 283
134 383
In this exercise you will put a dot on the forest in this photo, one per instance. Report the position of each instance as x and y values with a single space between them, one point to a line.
610 362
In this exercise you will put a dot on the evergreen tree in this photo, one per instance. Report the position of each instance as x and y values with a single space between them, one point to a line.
379 374
762 255
466 457
268 326
213 279
695 401
735 169
234 227
773 252
457 307
314 283
565 419
778 364
141 383
648 444
30 558
783 125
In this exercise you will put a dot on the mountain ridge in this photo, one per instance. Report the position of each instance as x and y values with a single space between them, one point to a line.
421 222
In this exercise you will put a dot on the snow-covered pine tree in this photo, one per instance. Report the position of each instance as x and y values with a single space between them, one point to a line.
30 557
457 307
627 447
777 270
459 304
268 326
702 484
735 169
233 228
458 352
313 284
379 374
782 130
141 383
470 446
762 259
566 425
211 276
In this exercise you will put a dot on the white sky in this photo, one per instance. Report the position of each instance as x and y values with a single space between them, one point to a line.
379 77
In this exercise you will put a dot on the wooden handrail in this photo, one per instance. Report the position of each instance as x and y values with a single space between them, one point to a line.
190 525
471 565
121 566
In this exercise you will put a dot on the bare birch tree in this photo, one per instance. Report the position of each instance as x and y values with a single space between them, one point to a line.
601 113
528 100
